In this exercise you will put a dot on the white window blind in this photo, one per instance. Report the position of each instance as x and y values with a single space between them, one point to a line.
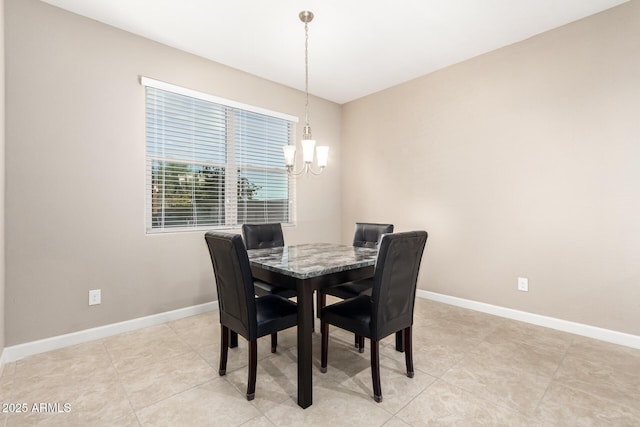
212 163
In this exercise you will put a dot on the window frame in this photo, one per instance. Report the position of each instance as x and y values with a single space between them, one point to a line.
232 166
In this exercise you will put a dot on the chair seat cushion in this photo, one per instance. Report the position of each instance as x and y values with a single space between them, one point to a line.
352 314
275 313
262 288
349 290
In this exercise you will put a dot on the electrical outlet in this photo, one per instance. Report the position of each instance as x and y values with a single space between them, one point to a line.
95 297
523 284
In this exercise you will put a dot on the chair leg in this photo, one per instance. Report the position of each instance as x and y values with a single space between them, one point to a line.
321 301
274 342
375 370
408 351
324 328
360 344
224 349
399 342
233 339
253 367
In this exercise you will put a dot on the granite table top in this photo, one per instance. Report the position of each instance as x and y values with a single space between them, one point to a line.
312 259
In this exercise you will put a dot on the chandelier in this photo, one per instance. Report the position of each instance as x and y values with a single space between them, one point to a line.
308 143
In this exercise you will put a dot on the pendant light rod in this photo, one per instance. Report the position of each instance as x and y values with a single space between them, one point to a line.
306 17
308 143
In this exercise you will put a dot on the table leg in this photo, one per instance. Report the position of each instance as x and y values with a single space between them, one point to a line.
305 317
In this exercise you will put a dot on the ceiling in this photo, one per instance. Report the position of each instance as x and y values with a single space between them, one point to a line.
356 47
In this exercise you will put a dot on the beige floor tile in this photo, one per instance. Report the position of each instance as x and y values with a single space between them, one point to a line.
333 404
276 381
91 395
567 406
397 388
238 357
498 383
542 361
287 338
57 387
8 370
259 422
447 331
6 382
77 360
533 335
343 359
198 331
491 371
615 356
73 419
436 358
427 309
395 422
214 403
468 321
600 379
441 342
433 309
473 318
443 404
277 373
91 399
133 350
159 380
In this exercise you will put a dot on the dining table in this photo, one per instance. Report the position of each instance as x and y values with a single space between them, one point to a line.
308 268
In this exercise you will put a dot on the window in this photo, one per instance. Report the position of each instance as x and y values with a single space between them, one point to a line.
212 162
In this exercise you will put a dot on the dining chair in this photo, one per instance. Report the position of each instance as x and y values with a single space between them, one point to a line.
389 308
259 236
366 235
240 311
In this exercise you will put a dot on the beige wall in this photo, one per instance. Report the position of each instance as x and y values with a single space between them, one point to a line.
521 162
75 174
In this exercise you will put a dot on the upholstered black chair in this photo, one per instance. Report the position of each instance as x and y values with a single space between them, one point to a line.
366 235
388 309
258 236
240 311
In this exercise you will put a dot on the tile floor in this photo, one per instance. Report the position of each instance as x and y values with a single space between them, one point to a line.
471 369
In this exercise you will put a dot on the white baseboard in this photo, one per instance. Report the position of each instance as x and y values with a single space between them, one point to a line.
17 352
601 334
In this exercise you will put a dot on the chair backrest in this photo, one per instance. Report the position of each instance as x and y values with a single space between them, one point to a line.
258 236
367 235
234 283
395 278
